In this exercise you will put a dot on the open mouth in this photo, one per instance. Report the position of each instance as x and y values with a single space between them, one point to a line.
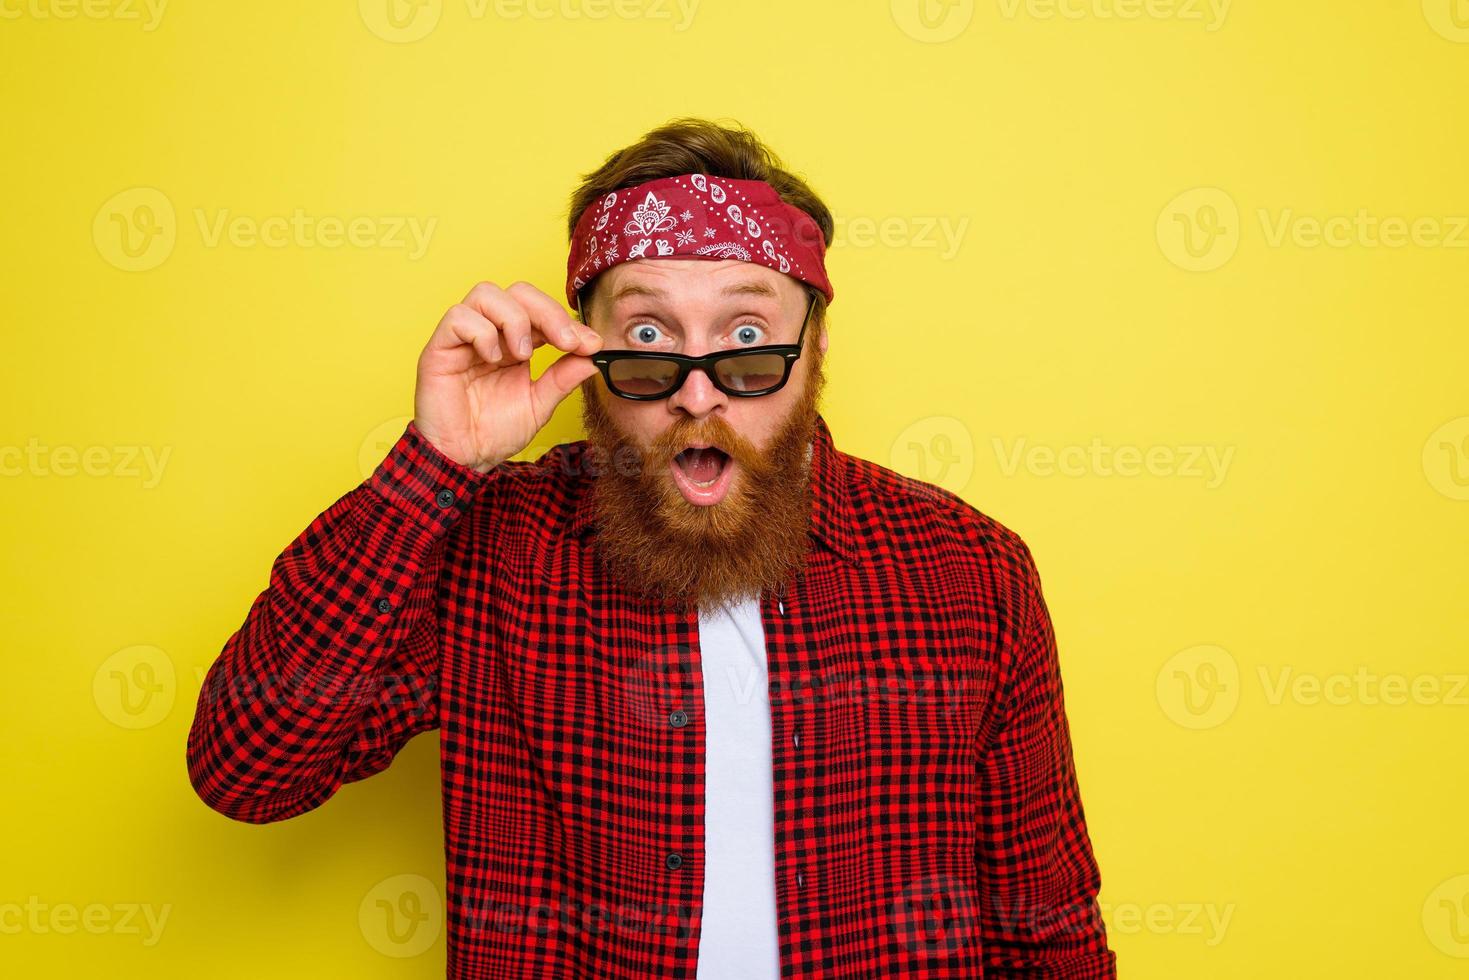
702 474
702 465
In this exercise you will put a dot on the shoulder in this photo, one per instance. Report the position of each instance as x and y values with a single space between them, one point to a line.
896 510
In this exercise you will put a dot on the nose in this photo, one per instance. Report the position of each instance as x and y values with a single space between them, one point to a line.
697 396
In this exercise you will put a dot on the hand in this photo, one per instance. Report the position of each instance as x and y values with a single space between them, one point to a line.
474 399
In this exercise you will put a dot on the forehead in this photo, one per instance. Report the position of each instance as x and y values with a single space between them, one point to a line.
677 280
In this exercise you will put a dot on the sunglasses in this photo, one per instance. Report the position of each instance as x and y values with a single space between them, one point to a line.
746 372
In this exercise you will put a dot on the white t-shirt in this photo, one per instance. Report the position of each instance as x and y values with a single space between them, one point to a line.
739 940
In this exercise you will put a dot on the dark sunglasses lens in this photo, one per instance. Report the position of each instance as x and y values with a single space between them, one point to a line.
751 372
642 376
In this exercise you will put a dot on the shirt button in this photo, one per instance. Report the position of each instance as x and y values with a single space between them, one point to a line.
384 605
674 861
444 498
800 879
678 718
796 738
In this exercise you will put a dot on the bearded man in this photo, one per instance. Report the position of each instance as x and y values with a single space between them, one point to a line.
715 698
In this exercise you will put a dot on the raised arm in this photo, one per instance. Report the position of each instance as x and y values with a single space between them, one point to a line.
336 665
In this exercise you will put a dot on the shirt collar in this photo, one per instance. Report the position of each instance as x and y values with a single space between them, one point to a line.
831 514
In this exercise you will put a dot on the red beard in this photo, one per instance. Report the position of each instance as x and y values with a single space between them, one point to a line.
659 546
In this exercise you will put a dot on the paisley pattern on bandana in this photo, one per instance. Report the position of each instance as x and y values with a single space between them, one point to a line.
651 216
696 216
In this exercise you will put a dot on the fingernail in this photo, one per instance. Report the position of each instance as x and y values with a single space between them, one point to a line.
525 347
495 353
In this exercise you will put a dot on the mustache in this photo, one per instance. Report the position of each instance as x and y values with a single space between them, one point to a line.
713 431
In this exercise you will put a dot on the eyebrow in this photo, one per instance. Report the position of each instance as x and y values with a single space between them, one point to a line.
750 287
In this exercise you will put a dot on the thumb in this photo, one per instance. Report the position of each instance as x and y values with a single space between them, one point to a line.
557 381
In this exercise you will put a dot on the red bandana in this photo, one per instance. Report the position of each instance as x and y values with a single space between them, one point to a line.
701 217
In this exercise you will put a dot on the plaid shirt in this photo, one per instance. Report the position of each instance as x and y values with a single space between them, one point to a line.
927 814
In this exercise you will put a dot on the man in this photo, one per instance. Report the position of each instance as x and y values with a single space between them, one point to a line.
715 698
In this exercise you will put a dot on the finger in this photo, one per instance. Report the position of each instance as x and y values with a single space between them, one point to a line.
509 317
478 333
557 381
554 323
454 338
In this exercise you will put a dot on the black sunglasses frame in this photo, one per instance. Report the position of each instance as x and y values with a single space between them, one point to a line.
789 354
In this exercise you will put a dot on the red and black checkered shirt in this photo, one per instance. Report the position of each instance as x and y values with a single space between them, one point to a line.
927 815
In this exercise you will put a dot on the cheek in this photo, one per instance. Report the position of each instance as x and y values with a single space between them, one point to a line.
756 419
641 421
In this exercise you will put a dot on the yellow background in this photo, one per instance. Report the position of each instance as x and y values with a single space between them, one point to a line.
1098 296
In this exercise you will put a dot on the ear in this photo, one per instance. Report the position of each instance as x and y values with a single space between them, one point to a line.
821 340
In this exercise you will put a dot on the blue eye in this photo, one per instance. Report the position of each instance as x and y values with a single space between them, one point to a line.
646 332
747 333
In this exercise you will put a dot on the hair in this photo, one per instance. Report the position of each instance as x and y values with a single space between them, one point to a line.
692 145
